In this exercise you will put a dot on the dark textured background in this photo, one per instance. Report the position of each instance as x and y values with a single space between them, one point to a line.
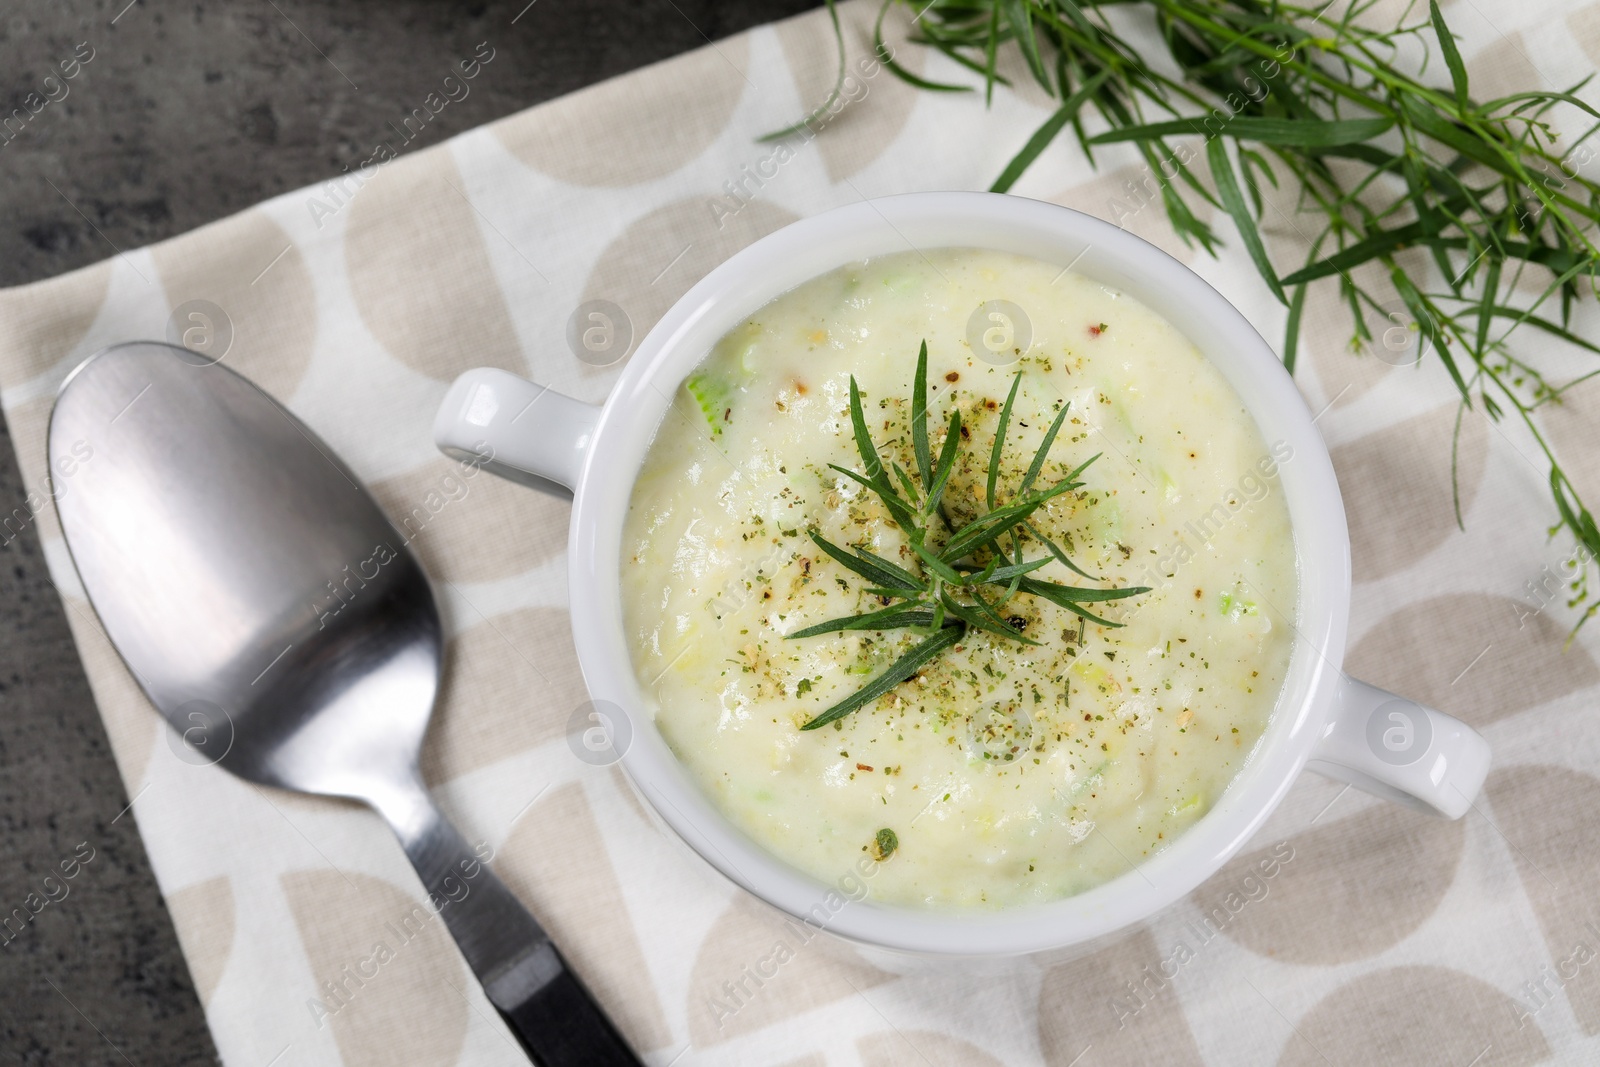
187 113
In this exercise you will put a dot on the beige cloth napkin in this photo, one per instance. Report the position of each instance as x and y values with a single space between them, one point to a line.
1380 936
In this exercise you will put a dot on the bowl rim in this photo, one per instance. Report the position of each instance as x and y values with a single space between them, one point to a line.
802 250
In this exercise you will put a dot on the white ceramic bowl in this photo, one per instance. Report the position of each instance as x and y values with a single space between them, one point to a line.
1345 728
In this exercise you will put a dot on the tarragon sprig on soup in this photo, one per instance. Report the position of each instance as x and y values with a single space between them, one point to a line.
964 575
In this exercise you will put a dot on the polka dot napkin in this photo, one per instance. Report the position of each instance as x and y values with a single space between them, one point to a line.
1349 932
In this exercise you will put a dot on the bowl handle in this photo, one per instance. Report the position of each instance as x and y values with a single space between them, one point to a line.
514 428
1397 749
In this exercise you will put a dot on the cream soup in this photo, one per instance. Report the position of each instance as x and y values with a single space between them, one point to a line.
1003 773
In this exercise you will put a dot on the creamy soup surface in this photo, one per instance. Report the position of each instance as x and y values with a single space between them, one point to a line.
1008 774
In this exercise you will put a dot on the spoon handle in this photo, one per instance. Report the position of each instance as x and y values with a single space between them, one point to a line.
535 990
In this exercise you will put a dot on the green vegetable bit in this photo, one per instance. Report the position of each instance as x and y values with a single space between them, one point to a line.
714 399
884 844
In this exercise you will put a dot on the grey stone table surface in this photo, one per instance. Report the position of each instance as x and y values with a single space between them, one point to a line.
187 113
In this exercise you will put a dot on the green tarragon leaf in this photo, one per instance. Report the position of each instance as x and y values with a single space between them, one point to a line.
898 671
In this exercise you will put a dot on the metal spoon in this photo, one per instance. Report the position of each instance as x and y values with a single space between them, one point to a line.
271 612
